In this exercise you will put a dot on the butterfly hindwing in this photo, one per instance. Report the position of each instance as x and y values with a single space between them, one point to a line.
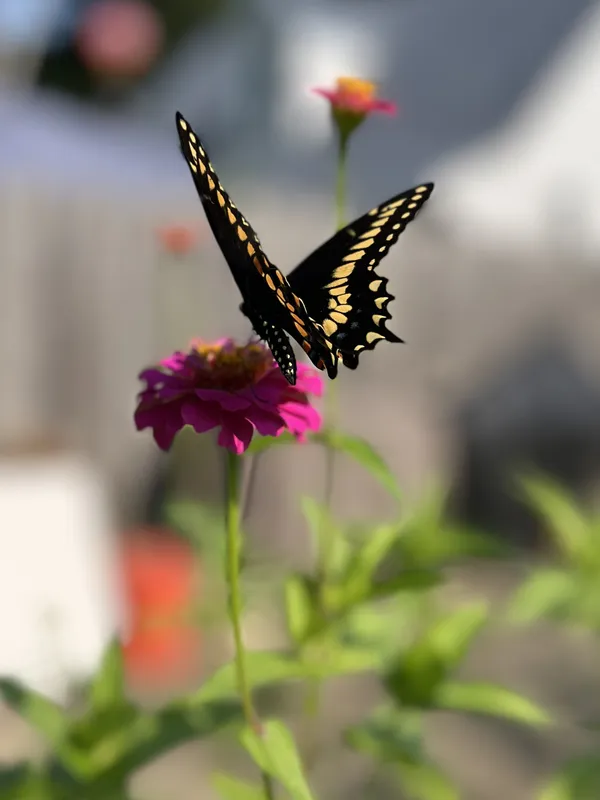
268 297
277 342
339 285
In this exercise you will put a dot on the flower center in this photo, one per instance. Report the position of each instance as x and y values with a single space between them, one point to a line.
228 366
357 88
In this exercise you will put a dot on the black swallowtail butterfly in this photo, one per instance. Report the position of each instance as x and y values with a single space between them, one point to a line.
333 304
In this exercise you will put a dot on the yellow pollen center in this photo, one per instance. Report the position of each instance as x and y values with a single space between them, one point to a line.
229 367
356 87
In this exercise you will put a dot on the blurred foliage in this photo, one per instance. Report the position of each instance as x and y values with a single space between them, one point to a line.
376 605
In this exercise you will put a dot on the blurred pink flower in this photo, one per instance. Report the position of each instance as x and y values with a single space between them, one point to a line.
356 96
178 239
237 388
120 38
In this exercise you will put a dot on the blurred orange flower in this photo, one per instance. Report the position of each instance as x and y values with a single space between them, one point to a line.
178 239
120 38
160 584
356 96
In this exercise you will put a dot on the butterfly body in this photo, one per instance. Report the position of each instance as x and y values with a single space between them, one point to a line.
333 304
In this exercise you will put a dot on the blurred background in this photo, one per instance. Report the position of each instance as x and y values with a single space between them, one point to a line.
106 264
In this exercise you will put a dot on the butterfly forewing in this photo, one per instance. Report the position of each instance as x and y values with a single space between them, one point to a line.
339 284
265 289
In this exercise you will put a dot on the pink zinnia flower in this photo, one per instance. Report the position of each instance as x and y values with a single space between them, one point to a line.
357 97
237 388
120 38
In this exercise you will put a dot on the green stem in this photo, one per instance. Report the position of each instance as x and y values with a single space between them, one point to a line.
326 549
340 184
232 570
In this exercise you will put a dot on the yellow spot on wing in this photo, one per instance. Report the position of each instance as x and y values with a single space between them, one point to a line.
374 285
270 283
211 183
339 289
377 318
343 271
241 234
329 327
381 301
337 317
397 204
335 283
193 138
344 309
231 216
353 256
183 125
193 167
373 337
251 250
220 199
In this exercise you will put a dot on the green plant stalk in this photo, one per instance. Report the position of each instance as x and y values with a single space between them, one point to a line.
326 550
331 398
232 571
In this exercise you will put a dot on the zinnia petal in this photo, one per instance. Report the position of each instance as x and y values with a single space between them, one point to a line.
236 433
300 418
238 389
202 417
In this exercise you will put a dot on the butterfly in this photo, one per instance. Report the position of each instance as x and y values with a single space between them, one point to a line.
333 303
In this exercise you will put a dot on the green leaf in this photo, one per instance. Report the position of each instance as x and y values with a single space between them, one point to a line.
567 524
300 605
267 668
418 673
389 736
364 453
426 539
548 593
261 443
579 780
14 780
353 446
233 789
40 712
452 634
275 752
425 781
326 535
152 735
262 668
410 580
107 688
202 524
361 568
491 700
